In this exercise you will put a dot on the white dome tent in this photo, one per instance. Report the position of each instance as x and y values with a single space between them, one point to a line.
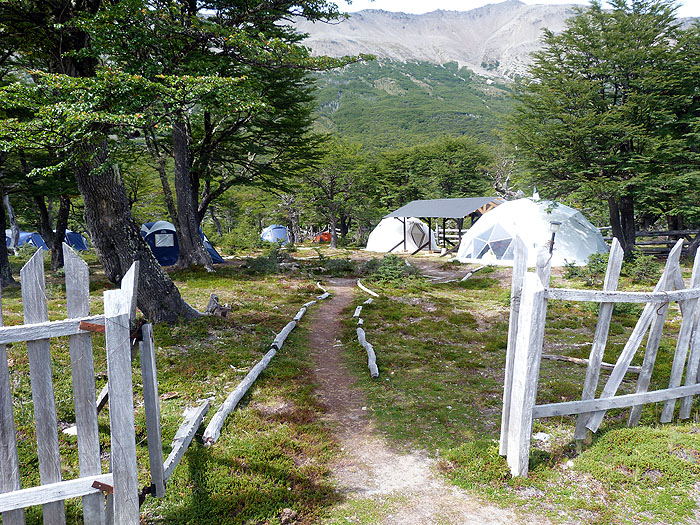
489 240
388 236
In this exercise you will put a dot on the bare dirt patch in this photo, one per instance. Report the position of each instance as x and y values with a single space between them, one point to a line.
371 470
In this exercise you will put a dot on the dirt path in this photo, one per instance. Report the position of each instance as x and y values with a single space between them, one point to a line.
378 482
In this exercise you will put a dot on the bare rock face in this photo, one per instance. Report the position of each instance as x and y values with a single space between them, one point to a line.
494 40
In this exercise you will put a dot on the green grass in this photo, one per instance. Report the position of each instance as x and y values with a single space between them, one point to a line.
441 354
274 451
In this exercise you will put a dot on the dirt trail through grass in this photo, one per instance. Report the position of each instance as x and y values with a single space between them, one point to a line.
380 484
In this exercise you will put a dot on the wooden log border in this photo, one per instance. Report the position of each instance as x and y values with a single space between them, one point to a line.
213 430
362 339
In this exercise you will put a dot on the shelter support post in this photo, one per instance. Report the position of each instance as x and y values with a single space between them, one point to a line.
430 235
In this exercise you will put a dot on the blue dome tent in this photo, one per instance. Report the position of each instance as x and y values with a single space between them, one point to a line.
77 241
275 233
31 238
162 239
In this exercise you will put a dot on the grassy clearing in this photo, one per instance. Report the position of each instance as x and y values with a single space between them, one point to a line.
441 354
274 452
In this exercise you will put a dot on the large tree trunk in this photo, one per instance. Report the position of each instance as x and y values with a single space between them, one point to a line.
334 233
5 268
118 242
14 227
192 251
622 221
54 237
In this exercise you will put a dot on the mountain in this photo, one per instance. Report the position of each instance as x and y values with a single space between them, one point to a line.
495 40
385 103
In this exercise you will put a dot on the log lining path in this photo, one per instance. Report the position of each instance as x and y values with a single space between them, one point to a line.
401 488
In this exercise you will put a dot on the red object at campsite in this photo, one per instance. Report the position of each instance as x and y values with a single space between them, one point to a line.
323 237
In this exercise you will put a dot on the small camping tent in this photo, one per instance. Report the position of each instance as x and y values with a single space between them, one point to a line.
162 239
30 238
388 235
77 241
490 240
275 233
323 237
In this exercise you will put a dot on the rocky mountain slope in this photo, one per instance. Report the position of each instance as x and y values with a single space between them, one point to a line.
494 40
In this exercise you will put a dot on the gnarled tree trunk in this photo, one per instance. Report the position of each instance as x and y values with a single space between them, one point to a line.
192 251
118 241
5 268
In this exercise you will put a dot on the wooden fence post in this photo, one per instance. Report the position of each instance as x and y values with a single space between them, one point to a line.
526 368
121 407
83 372
623 361
682 344
35 311
516 290
152 408
9 462
612 276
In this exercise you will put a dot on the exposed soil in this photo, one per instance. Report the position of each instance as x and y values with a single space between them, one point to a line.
370 468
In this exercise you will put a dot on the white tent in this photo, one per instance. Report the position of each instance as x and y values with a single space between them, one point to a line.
388 235
490 239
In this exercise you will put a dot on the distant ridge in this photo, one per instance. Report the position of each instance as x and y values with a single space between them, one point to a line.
493 40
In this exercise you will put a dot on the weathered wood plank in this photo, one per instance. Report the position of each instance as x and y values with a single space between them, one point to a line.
323 296
46 330
581 361
623 361
35 311
213 430
149 376
371 356
129 285
9 461
83 374
600 339
102 398
306 305
681 353
691 373
121 407
53 492
601 296
516 289
184 435
526 365
365 289
368 301
576 407
282 336
358 310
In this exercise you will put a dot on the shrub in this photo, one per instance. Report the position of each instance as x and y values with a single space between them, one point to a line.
592 273
391 269
642 268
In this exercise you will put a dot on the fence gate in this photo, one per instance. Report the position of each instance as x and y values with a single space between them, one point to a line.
120 484
529 295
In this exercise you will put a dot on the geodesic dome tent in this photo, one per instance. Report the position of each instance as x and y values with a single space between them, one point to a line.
388 235
490 239
275 233
161 237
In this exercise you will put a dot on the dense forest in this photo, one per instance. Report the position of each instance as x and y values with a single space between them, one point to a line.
265 133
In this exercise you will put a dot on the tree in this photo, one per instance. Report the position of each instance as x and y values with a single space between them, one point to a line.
218 142
599 117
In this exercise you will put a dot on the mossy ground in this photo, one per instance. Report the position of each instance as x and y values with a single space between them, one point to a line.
441 353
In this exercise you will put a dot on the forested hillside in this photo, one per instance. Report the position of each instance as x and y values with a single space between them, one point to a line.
384 103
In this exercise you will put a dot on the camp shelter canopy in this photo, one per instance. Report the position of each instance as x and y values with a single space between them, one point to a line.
446 208
30 238
388 236
490 239
162 239
275 233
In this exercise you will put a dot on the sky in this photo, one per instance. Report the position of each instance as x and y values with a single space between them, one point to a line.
687 7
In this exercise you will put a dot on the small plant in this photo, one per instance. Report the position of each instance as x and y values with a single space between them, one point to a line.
592 274
338 267
392 269
642 268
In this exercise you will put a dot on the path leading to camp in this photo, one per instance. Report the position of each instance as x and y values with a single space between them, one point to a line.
401 488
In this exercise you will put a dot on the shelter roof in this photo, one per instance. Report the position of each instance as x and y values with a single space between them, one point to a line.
447 208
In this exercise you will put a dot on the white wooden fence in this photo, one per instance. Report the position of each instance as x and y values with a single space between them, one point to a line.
529 295
120 484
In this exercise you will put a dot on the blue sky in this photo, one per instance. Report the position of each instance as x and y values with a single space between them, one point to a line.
687 7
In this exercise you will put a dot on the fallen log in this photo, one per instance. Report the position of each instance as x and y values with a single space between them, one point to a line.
580 361
365 289
371 356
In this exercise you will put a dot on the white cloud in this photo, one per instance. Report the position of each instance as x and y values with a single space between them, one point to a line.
687 7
